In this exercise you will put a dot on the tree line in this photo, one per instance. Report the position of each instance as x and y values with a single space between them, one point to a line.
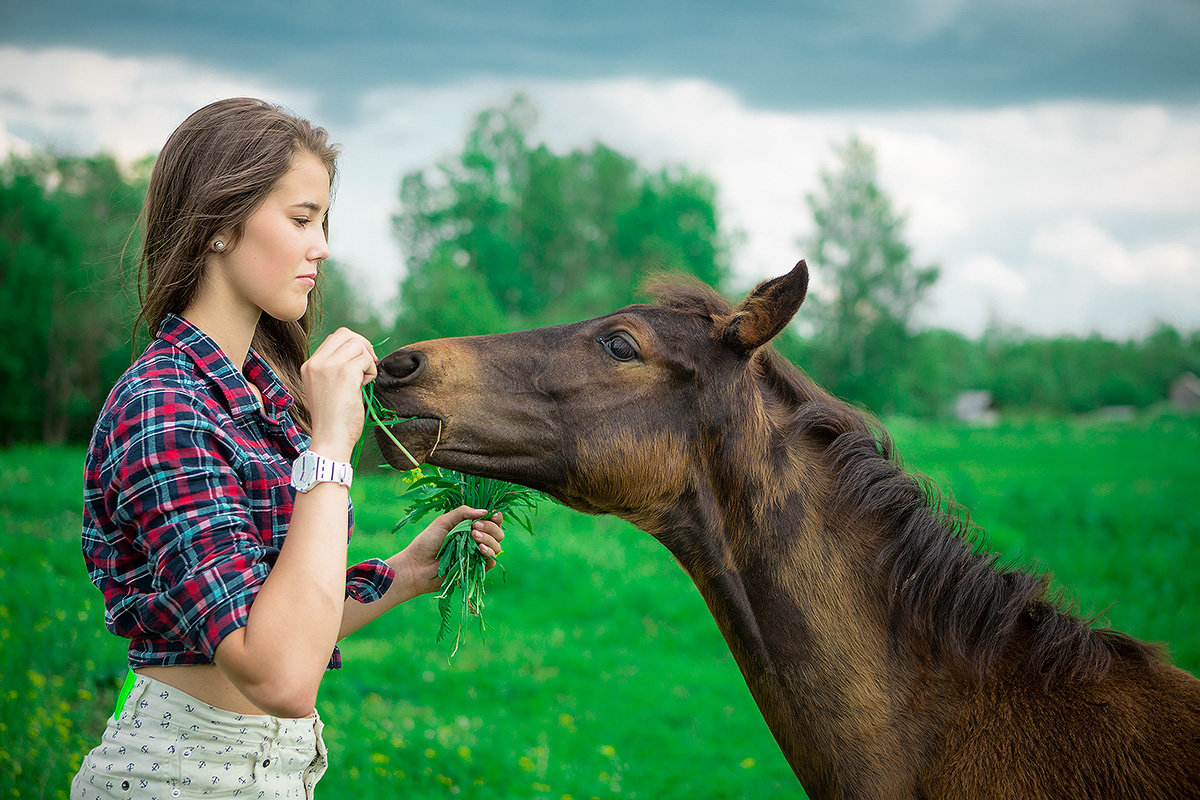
507 234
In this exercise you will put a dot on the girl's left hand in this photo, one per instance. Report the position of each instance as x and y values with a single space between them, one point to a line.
421 554
333 378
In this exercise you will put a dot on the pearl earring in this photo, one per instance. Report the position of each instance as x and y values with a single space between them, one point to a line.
219 246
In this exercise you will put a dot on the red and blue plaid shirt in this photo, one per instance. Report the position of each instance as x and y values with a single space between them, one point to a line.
187 498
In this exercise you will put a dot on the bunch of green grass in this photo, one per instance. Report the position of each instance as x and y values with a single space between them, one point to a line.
462 568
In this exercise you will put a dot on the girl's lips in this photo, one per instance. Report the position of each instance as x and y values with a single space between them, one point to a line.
309 279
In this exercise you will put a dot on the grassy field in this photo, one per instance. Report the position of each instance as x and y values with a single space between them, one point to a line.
603 675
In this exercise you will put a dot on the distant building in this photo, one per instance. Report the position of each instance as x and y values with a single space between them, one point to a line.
975 408
1185 392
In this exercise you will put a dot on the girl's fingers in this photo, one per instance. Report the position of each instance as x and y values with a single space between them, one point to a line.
335 340
351 357
488 545
344 345
487 535
370 372
490 528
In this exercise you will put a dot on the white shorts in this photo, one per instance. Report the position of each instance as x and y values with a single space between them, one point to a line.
165 744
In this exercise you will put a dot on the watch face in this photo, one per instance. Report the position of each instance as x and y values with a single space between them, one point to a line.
305 473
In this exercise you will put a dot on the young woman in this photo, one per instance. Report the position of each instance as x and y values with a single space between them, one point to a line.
216 498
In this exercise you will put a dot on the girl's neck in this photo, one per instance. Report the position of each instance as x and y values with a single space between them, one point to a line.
227 322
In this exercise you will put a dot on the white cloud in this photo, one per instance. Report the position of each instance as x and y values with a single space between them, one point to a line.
1101 279
80 100
1015 204
1082 245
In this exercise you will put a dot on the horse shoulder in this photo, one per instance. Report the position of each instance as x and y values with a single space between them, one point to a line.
1134 733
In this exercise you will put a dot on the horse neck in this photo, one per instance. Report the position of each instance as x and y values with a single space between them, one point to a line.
805 622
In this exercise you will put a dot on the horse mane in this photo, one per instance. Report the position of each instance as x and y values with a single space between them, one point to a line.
942 581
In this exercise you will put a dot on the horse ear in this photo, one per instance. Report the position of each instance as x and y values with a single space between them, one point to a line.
766 310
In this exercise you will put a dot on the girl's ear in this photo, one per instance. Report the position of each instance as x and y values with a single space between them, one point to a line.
766 310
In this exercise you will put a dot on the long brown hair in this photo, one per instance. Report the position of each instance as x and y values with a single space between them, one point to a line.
211 175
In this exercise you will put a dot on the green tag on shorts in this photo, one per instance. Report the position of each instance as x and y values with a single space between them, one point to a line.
126 688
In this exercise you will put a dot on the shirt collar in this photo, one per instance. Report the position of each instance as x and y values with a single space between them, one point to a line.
233 385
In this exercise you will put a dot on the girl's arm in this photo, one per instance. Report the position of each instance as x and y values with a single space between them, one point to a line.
278 658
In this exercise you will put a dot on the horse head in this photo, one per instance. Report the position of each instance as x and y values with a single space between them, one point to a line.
616 414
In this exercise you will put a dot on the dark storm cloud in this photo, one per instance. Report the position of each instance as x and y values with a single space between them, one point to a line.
787 55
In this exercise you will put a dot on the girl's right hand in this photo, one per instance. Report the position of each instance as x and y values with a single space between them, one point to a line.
333 379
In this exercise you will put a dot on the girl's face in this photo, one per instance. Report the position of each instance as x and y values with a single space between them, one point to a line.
274 265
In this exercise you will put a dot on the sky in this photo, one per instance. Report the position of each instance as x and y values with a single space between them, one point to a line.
1045 153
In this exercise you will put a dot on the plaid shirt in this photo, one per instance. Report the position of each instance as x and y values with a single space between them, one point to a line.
187 498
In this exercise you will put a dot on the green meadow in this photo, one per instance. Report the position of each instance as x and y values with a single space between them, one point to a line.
602 674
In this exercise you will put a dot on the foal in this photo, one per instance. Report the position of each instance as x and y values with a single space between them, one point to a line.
888 656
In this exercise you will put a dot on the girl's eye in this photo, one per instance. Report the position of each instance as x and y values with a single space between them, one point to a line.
301 221
619 346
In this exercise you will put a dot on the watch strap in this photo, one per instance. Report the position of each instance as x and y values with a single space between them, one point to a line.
329 470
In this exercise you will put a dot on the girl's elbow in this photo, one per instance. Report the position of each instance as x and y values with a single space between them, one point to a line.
280 696
297 707
279 689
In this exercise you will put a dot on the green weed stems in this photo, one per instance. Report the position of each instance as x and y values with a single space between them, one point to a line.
380 417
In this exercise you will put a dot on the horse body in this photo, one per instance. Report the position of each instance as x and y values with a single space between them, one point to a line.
889 656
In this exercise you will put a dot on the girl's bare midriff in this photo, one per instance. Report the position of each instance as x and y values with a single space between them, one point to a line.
204 682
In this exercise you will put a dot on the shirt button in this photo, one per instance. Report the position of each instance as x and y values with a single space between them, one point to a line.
124 786
175 792
266 762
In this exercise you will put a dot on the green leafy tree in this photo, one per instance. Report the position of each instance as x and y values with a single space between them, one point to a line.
859 250
36 250
444 298
66 222
509 234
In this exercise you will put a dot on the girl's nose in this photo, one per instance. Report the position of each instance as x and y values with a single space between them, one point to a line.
320 249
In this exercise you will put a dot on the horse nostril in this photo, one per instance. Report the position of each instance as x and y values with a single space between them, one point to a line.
401 367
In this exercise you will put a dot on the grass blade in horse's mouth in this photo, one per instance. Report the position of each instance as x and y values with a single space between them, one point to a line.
380 417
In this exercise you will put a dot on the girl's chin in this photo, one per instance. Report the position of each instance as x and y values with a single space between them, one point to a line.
287 314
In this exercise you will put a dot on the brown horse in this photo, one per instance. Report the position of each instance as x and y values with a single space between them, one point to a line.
890 656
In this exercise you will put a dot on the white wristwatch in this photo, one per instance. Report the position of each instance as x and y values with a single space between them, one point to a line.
310 469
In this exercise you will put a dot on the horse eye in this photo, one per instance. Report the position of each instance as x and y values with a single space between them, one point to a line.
619 347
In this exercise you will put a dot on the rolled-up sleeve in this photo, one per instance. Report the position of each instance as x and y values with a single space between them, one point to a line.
369 581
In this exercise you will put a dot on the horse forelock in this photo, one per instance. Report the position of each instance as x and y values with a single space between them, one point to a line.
686 294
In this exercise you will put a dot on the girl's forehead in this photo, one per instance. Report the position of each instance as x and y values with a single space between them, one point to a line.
306 182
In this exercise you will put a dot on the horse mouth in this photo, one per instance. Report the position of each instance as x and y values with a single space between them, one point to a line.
408 443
